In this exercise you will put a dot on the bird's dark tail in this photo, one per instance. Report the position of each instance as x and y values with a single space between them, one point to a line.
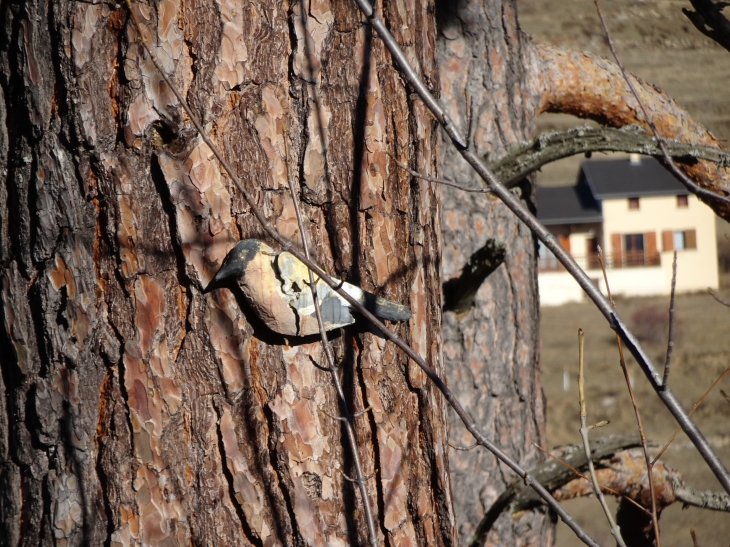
385 309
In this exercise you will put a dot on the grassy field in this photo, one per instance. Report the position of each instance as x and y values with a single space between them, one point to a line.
702 353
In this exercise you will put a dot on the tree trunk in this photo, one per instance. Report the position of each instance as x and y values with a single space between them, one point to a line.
491 350
137 410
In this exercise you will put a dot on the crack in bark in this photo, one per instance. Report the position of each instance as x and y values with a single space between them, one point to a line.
279 467
237 505
373 441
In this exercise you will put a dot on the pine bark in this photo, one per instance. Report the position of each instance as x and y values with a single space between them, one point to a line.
491 351
134 409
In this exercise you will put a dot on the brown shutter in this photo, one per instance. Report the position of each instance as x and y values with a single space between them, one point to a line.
564 242
650 243
690 239
667 240
651 256
616 243
616 260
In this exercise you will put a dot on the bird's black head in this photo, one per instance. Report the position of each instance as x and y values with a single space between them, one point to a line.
234 265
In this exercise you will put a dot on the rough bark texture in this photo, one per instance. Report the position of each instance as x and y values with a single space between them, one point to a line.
136 410
491 351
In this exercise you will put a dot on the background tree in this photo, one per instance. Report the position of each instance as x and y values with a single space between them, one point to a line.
136 409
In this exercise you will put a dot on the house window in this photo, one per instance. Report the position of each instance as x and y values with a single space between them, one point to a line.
679 240
682 202
634 242
546 259
633 203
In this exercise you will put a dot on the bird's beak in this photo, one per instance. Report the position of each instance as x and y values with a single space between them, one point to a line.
215 283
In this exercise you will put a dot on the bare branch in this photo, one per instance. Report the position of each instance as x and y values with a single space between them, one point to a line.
615 532
684 179
587 86
445 182
694 407
518 208
463 448
670 337
588 480
552 474
647 459
348 419
716 501
525 158
718 298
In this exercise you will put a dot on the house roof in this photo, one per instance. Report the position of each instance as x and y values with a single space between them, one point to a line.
567 205
611 179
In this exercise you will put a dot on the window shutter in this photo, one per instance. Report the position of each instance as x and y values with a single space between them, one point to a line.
616 243
667 240
650 246
616 260
690 239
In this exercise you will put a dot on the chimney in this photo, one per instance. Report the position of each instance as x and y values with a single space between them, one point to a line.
635 159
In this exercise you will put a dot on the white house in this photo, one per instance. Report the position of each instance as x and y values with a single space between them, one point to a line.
639 213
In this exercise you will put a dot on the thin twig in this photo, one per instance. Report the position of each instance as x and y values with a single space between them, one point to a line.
684 179
343 418
347 419
649 463
725 395
438 181
694 407
615 531
350 479
286 245
722 301
543 234
462 448
670 339
694 537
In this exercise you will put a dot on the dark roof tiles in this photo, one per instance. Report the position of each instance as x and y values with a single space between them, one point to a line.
611 179
567 205
604 179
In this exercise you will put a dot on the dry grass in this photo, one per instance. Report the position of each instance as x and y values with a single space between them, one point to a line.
701 356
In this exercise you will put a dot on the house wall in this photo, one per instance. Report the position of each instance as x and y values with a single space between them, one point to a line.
696 268
557 288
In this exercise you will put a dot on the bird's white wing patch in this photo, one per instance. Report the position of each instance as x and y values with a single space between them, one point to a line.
295 285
